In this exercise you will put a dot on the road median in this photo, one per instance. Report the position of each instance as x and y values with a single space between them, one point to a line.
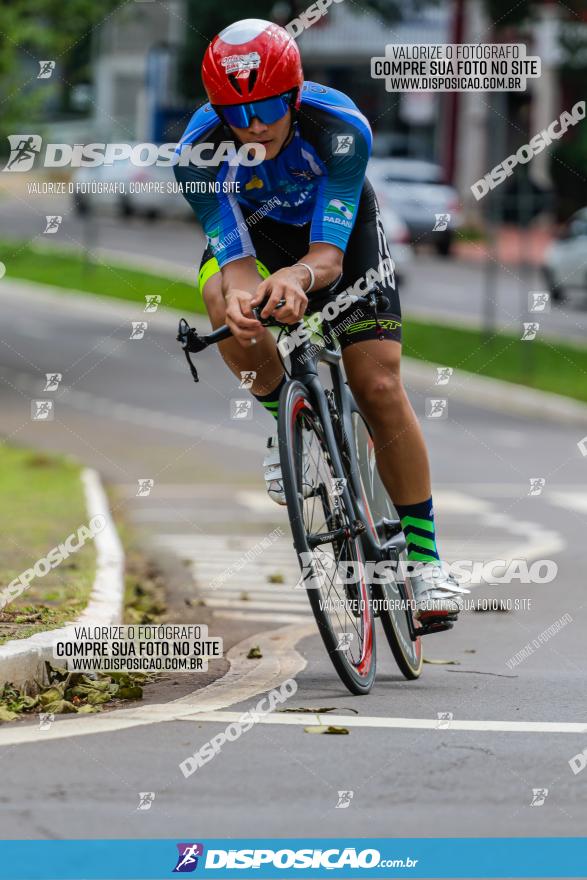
64 560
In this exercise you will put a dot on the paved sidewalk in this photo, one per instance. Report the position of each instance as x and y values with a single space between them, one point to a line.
513 246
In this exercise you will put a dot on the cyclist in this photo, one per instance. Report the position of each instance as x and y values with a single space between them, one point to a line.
303 221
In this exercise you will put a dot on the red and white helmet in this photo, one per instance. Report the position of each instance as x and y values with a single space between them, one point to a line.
251 60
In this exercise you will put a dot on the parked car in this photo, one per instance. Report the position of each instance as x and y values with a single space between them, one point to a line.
141 191
565 262
415 190
398 239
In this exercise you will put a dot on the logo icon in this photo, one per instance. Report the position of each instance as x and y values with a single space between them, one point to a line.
436 408
338 486
344 641
537 484
152 301
241 409
241 65
52 381
23 149
578 762
344 799
539 301
254 183
187 860
343 144
53 223
247 379
444 720
531 328
539 795
46 719
441 222
443 375
146 799
144 489
46 68
42 411
341 211
213 239
138 329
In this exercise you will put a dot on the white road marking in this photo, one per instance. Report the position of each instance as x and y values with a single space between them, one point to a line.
242 587
245 679
575 501
309 719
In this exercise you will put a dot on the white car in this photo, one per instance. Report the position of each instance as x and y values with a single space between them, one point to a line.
565 263
141 191
416 191
398 239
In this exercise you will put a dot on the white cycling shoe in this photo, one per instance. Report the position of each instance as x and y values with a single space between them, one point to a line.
272 471
436 592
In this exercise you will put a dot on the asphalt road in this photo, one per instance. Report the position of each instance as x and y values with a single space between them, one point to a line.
130 409
446 290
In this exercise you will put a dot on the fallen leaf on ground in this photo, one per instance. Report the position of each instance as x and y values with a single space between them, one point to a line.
320 710
254 653
326 729
58 707
442 662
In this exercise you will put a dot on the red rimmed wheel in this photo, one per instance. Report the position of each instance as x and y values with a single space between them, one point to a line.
330 556
392 594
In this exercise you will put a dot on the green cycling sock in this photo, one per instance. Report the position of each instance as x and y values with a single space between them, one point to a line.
418 524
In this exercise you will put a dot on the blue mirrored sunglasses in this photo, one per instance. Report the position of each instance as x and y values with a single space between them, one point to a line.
268 111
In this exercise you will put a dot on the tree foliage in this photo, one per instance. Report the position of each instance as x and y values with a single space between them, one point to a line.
58 30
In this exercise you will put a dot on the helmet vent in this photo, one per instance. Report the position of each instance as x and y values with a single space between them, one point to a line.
235 84
252 80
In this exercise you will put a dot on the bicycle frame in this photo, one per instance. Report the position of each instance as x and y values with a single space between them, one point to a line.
304 368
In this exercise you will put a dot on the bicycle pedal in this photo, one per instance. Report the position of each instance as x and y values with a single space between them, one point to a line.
435 625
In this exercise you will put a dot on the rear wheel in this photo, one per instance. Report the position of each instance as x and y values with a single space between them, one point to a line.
392 594
330 557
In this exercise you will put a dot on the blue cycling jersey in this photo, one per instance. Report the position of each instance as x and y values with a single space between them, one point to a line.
317 178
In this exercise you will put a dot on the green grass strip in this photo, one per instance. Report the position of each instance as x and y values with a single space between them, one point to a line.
558 367
73 272
41 503
553 366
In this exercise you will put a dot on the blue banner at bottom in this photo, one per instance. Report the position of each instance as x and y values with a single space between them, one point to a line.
225 858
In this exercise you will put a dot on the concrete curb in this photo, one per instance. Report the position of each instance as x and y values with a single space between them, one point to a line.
95 306
21 660
495 394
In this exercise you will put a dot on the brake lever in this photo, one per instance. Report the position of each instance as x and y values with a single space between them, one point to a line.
190 341
256 310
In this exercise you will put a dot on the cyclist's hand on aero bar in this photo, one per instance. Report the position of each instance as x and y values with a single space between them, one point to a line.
240 319
282 285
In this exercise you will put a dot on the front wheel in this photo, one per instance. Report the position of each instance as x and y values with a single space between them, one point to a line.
330 555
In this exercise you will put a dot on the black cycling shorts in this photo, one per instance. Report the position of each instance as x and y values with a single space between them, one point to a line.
366 259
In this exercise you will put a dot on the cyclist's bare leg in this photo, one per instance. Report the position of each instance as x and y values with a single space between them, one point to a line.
373 371
262 358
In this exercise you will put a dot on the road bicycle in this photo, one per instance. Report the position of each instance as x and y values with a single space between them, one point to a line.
346 533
